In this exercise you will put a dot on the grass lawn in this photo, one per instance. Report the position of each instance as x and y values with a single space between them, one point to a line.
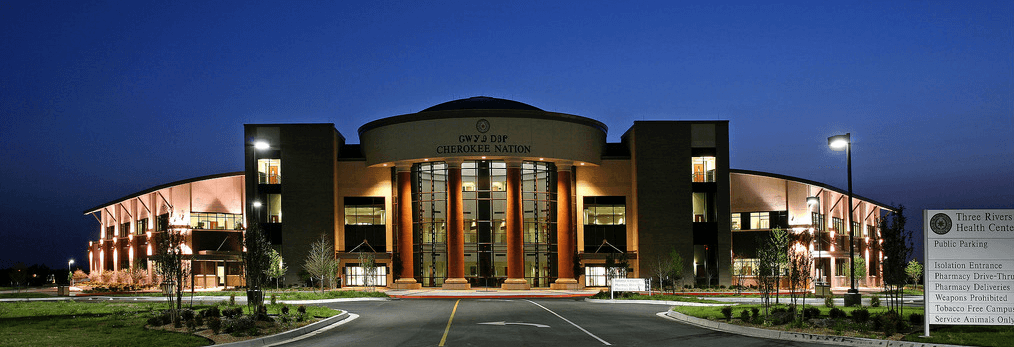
69 323
967 335
958 335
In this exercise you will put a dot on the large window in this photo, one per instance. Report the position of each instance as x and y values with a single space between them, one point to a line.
216 221
269 171
818 221
484 197
356 275
760 220
142 226
429 204
365 224
538 194
605 219
704 210
737 223
124 229
600 276
703 169
274 208
838 225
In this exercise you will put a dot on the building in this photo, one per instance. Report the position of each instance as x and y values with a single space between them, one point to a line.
496 193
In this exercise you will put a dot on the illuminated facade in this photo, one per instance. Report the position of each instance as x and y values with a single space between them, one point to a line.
212 208
485 192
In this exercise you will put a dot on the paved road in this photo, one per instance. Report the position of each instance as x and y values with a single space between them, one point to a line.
526 322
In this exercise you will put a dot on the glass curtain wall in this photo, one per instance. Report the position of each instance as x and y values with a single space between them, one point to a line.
538 195
429 205
484 194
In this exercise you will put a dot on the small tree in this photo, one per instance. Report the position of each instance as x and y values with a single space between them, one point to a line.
276 266
914 271
257 261
172 265
800 262
897 246
660 267
367 261
320 260
676 261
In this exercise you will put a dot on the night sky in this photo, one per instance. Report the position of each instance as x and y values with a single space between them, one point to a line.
103 99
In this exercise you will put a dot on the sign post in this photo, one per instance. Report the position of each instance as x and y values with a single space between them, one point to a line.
969 278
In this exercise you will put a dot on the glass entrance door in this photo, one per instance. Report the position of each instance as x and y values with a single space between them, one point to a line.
484 194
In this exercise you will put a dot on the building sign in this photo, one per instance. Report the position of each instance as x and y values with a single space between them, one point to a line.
628 285
969 275
482 143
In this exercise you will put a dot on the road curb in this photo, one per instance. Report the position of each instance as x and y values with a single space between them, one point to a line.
291 334
794 336
654 302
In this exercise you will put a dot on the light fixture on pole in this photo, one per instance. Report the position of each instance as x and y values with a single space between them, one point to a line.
839 142
70 275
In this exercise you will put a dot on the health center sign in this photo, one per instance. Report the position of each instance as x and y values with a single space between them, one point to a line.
969 267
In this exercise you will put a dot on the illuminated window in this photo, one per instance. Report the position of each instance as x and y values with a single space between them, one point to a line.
274 208
216 221
356 275
745 267
703 207
269 171
737 224
760 220
838 225
605 224
142 226
365 221
703 169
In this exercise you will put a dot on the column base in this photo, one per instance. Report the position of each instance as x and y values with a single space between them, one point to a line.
456 284
565 284
406 284
515 284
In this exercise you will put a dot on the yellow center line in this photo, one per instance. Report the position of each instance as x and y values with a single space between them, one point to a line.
448 329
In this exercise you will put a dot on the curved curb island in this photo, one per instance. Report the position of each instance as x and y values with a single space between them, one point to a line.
793 336
291 334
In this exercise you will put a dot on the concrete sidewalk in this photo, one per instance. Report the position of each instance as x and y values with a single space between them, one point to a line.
489 293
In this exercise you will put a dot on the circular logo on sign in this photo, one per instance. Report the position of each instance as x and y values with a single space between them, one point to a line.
940 223
482 126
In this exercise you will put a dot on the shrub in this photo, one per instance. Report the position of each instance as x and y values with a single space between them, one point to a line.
302 313
836 313
744 315
187 314
199 320
889 323
240 326
212 312
727 312
232 312
215 324
274 299
915 319
155 321
829 301
860 315
755 313
811 312
191 324
875 301
285 309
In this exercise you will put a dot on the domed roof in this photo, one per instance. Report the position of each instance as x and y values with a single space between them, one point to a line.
482 103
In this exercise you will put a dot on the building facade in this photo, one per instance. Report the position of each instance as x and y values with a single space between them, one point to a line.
485 192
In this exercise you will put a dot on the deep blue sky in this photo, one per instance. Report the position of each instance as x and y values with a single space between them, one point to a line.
102 99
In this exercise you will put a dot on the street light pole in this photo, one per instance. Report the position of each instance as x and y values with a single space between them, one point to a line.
838 142
70 275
